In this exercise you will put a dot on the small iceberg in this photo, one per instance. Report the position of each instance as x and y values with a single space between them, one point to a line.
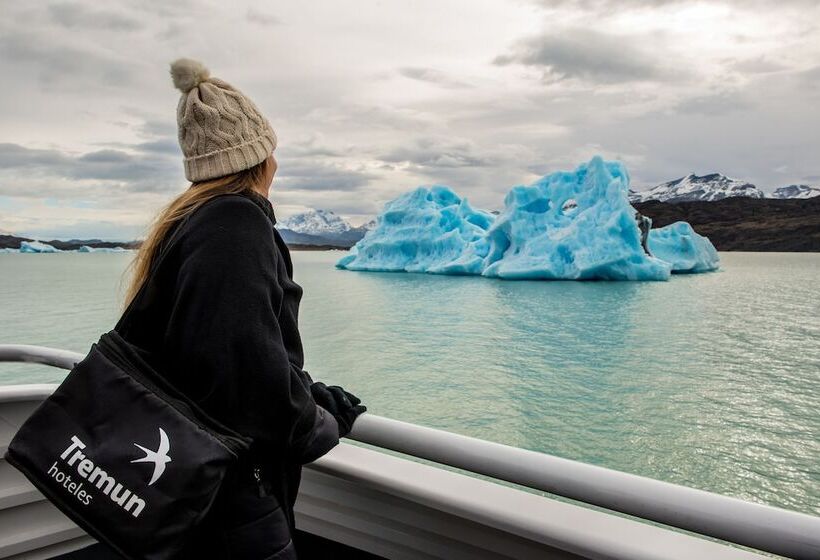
685 250
89 249
37 247
9 250
569 225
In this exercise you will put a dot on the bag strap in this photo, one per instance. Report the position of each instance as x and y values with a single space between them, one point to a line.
164 249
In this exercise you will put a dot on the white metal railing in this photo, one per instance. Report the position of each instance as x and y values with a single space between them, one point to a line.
758 526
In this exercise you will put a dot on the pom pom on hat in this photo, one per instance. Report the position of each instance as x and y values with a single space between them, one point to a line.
188 74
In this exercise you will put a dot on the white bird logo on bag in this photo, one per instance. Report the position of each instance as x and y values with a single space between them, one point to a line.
158 457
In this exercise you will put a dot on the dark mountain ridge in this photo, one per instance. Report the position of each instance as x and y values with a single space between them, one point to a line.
745 224
13 242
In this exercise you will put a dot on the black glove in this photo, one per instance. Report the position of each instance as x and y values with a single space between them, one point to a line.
345 407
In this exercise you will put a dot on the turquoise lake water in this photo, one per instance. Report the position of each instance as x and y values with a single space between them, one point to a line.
712 380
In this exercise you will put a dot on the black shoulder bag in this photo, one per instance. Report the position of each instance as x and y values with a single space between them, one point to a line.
122 453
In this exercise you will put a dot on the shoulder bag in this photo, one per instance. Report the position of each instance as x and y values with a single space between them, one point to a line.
124 454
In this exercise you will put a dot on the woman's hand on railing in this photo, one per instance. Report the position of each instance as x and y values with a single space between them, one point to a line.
344 406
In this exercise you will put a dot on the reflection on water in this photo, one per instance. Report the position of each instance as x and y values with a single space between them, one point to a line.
711 380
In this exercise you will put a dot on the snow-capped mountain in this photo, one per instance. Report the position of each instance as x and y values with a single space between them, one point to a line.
796 191
316 222
693 187
321 227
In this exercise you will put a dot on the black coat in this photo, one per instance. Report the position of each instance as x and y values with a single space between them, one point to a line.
219 320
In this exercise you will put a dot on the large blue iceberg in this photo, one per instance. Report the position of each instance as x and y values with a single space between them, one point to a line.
425 230
573 225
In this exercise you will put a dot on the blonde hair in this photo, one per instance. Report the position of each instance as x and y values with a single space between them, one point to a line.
195 196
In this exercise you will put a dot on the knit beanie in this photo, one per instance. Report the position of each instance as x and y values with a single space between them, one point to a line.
220 130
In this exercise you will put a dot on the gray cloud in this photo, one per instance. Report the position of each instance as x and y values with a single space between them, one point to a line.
810 76
170 32
158 127
255 16
604 5
314 176
758 65
715 104
429 156
139 172
586 54
312 147
55 62
14 156
376 117
599 4
167 146
432 76
75 15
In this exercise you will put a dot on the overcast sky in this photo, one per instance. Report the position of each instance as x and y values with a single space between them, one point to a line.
371 98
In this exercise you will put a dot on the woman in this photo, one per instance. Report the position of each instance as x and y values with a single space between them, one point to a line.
218 318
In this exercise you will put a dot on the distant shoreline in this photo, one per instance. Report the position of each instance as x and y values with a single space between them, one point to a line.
13 242
300 247
732 224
